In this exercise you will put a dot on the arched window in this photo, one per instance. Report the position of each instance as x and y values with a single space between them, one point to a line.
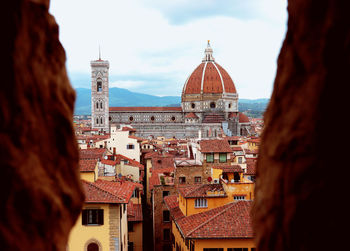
101 121
96 105
101 105
97 121
99 85
92 247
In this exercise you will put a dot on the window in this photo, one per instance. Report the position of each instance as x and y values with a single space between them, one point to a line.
212 105
193 105
197 179
166 216
130 146
96 105
201 202
236 177
210 157
131 118
99 85
173 118
240 160
166 234
237 249
101 105
92 217
223 157
239 197
97 121
130 226
165 193
92 247
182 180
152 118
135 194
101 121
130 246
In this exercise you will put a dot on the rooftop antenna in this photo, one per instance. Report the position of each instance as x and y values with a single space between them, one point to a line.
99 52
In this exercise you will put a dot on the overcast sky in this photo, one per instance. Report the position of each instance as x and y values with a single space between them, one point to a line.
154 45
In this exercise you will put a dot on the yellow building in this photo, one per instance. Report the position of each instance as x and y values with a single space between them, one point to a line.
102 225
234 182
135 220
88 169
223 228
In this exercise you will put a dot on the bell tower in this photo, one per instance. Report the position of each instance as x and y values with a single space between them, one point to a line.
99 94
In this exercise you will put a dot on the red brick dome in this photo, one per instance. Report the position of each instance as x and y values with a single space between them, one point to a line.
209 77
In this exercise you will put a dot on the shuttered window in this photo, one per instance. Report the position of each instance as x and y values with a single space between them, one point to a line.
92 217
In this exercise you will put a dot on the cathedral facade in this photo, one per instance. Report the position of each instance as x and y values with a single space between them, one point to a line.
209 106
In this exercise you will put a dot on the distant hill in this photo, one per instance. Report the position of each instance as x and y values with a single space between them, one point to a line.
124 97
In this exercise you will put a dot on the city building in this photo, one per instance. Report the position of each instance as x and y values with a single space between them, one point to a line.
209 106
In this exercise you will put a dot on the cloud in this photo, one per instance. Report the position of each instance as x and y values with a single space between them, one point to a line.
182 11
153 46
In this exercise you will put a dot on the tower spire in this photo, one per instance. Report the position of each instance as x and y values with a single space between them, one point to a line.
99 52
208 53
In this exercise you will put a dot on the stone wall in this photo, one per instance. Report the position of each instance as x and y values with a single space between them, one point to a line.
158 208
302 175
114 226
40 191
190 172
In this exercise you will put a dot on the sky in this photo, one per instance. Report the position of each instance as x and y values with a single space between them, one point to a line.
154 45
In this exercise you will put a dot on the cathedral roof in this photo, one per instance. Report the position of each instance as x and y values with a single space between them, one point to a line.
243 118
209 77
146 109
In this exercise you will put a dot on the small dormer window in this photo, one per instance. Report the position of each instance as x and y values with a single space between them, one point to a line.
200 202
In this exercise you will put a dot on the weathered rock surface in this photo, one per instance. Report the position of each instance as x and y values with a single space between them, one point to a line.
40 193
302 186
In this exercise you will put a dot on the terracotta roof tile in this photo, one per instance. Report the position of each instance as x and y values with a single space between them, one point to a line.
172 204
229 221
126 128
87 165
191 115
243 118
102 191
94 153
215 146
134 212
154 180
229 168
201 190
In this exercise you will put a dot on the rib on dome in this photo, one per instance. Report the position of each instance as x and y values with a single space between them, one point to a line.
209 77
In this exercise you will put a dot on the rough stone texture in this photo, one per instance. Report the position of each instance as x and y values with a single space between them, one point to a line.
40 190
158 208
302 188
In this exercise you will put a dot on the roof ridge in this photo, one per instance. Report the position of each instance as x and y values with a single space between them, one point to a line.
212 218
200 186
99 188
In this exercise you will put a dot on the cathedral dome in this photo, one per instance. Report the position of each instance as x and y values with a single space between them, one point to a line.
209 77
